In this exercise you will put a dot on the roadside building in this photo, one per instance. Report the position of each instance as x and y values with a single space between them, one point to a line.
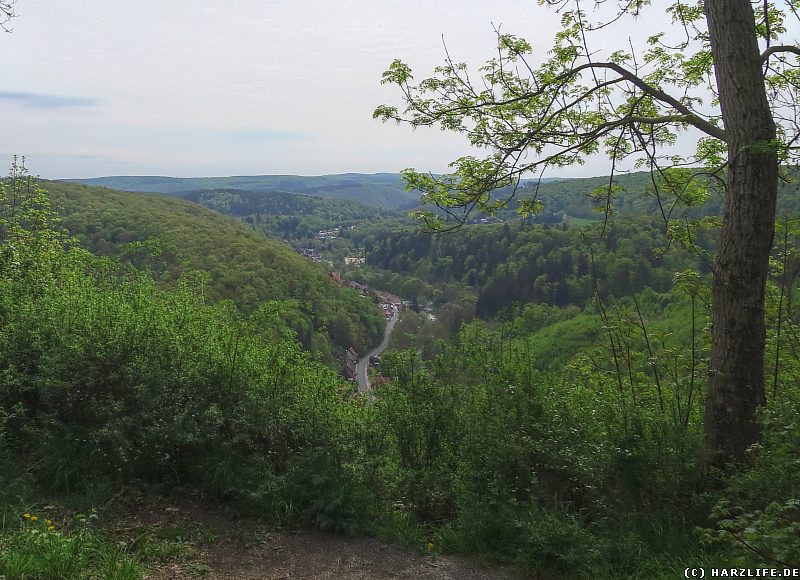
349 363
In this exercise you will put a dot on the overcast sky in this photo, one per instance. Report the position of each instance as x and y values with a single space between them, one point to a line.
236 87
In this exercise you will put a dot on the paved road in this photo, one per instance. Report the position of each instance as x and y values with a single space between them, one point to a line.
363 364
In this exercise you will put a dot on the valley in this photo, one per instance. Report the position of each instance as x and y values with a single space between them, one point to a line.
366 290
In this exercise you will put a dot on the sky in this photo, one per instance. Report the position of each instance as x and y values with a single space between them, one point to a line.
195 88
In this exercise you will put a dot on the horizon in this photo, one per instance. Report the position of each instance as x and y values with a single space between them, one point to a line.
345 173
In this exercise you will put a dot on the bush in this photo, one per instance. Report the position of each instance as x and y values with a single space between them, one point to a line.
105 375
758 512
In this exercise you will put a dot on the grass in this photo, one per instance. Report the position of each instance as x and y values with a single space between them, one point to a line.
577 221
35 546
84 547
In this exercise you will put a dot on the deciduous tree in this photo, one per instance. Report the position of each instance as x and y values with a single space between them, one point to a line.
721 72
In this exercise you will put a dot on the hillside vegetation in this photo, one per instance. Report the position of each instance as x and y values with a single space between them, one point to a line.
635 194
516 264
243 265
291 216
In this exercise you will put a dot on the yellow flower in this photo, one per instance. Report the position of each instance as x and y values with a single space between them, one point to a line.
34 518
429 546
51 528
48 522
26 516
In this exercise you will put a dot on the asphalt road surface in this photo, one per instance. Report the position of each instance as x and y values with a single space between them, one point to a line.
363 364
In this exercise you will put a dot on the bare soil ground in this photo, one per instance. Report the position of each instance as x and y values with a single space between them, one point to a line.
202 540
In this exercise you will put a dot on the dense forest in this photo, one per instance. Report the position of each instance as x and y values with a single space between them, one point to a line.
513 264
293 217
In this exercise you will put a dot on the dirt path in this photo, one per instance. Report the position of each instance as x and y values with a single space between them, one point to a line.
215 544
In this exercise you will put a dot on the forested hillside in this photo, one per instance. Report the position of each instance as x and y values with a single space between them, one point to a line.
244 266
640 194
385 190
517 264
286 215
475 357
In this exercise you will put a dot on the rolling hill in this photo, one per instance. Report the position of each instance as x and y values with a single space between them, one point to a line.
634 196
383 190
245 266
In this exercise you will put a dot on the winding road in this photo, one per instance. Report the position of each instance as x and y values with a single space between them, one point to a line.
363 364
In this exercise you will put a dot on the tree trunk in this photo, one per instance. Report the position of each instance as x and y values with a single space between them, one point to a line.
736 382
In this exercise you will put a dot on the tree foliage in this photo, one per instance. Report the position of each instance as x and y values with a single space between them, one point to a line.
512 265
292 217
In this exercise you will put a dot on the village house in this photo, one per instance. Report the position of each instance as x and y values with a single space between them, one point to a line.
310 253
329 234
363 288
349 364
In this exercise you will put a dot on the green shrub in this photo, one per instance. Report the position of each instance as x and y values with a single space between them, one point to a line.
758 513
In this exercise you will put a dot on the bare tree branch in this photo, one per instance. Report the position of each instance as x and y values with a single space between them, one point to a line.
779 48
691 117
6 13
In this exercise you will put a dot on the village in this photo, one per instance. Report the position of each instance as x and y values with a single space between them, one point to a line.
392 307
